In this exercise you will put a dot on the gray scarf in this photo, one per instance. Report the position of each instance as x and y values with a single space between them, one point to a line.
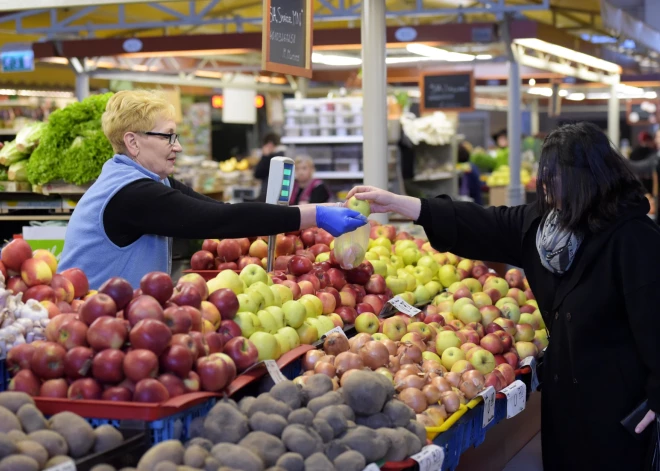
556 246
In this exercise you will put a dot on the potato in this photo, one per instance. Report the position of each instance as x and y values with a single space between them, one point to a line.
170 450
53 442
31 418
19 463
7 446
106 438
8 421
195 456
165 466
16 435
79 435
56 460
14 400
33 450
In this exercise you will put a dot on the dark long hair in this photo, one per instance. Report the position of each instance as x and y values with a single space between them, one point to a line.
581 173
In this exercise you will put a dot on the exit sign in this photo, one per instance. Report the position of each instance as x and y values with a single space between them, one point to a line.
17 61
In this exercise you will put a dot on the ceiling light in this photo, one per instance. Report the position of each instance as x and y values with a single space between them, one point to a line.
629 90
438 54
569 54
562 93
651 95
541 91
532 82
484 57
576 96
335 60
598 96
208 74
405 60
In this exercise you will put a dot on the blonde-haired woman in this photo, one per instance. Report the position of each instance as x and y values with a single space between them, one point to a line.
124 224
306 188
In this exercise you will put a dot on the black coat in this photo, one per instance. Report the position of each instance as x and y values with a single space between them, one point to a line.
603 316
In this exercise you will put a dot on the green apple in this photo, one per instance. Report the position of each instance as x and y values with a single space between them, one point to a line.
410 269
381 250
284 292
227 279
380 267
455 287
323 257
253 273
379 336
282 342
264 290
277 299
511 311
391 269
278 315
367 322
294 313
267 345
371 256
291 335
411 255
411 281
459 303
483 361
248 322
499 284
307 333
314 322
401 246
447 274
434 287
423 274
541 339
429 262
532 302
360 206
422 295
481 300
469 313
451 355
506 300
539 319
442 297
431 356
325 324
267 321
383 242
317 304
408 296
248 303
265 264
396 284
446 339
396 261
473 285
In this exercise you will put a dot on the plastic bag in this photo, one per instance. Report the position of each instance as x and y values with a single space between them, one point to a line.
350 248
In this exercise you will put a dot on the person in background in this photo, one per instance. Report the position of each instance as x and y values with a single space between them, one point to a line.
470 182
501 139
270 148
644 150
591 257
306 188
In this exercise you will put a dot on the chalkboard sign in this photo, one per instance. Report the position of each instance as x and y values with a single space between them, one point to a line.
447 91
287 37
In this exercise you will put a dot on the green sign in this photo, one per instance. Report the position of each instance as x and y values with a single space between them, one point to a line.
17 61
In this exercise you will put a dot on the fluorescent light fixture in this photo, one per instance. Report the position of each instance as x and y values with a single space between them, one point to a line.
629 90
541 91
36 93
562 93
576 96
598 96
651 95
406 60
208 74
532 82
335 60
569 54
438 54
484 57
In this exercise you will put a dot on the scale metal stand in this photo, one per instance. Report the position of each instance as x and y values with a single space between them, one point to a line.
280 184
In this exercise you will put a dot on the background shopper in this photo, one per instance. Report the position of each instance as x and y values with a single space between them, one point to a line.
306 188
470 179
591 257
124 223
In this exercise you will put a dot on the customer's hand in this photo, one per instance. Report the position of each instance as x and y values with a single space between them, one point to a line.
646 421
337 220
382 201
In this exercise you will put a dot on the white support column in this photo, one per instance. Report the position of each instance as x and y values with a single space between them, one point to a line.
303 87
374 90
514 128
613 116
82 86
534 115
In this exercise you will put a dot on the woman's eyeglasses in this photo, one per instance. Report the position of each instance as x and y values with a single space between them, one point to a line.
172 137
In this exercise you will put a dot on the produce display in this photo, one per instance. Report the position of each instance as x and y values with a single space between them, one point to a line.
30 442
502 176
434 129
14 155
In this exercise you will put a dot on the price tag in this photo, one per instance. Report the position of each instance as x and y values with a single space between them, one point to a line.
515 398
430 458
68 465
337 329
488 396
274 371
403 306
531 362
372 467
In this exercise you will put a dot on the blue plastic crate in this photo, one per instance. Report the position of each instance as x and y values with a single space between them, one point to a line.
451 441
174 427
293 369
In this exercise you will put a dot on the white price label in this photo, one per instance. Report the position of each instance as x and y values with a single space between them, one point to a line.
337 330
430 458
372 467
515 398
274 371
488 396
403 306
531 362
68 465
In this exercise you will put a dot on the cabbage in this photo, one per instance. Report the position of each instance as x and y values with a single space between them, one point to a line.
10 154
18 171
27 138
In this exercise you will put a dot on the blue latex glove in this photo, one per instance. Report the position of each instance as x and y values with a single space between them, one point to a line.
338 221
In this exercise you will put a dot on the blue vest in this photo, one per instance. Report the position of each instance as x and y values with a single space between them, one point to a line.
86 245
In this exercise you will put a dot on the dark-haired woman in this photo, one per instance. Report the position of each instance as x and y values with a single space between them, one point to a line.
591 257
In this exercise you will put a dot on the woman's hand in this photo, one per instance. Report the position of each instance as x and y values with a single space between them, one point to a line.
382 201
646 421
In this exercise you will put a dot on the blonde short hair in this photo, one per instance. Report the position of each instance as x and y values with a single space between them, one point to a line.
134 111
304 159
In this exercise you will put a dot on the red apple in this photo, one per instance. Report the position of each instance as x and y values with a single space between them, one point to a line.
336 278
506 338
200 343
139 364
306 287
19 357
117 393
157 285
313 279
16 285
245 261
229 250
150 390
360 292
318 249
305 254
323 237
63 288
15 253
107 366
84 388
328 301
79 280
73 333
119 290
192 382
150 334
186 294
78 362
178 320
229 329
215 341
511 358
375 285
173 384
177 360
308 236
198 282
40 293
187 342
492 343
347 314
242 352
282 262
54 388
244 244
107 332
3 271
215 371
225 301
493 327
196 317
219 265
25 381
294 287
210 245
359 275
375 302
143 307
98 305
48 360
202 260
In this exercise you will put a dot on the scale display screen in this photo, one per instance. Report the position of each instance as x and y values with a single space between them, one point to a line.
287 183
17 61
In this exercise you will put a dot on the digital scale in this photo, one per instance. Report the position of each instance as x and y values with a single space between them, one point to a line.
280 185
